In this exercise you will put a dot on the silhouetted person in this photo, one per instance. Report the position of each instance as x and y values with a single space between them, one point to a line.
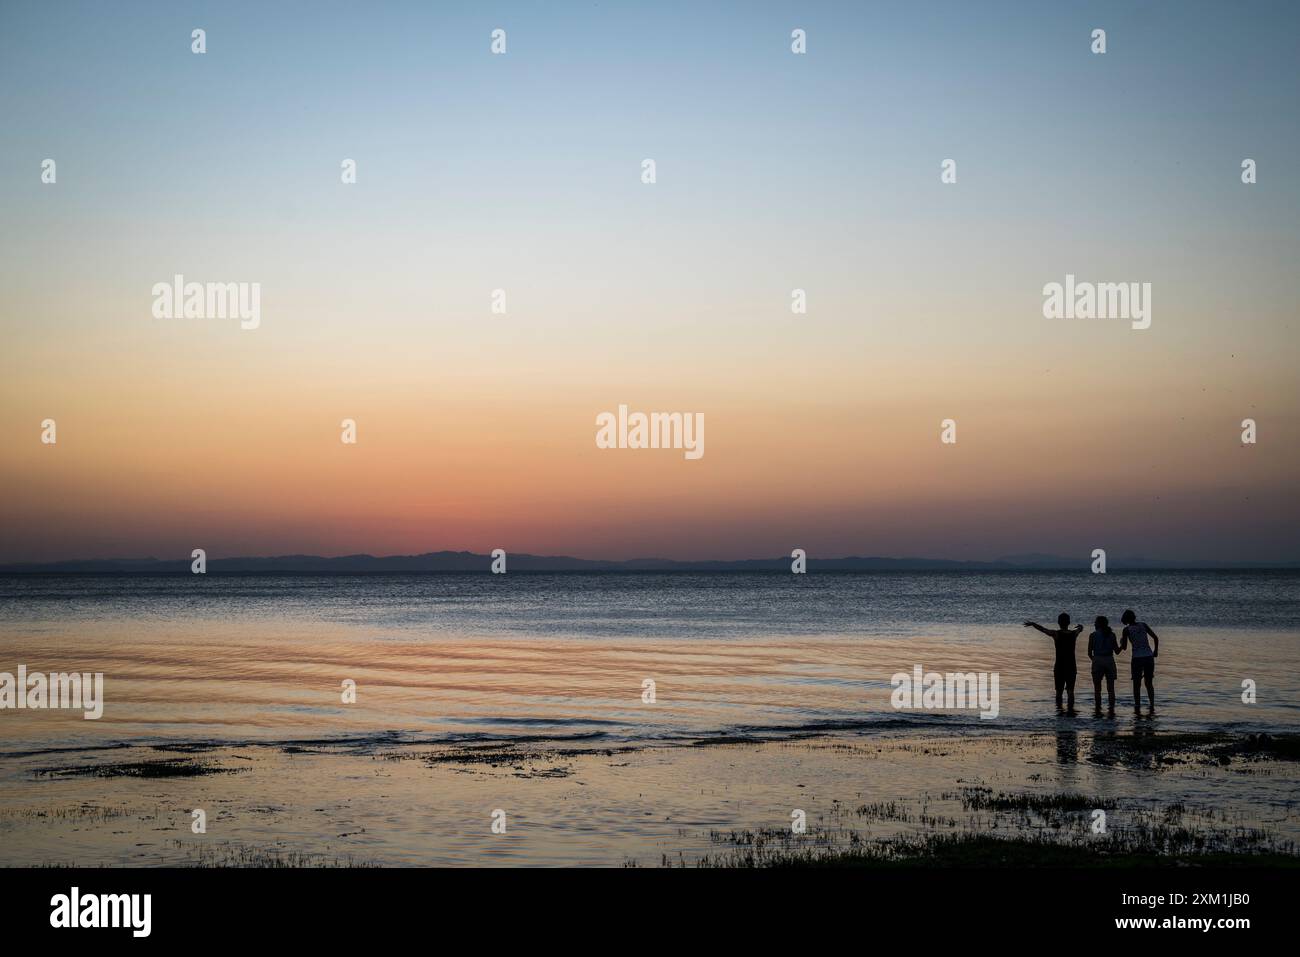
1102 645
1143 666
1065 670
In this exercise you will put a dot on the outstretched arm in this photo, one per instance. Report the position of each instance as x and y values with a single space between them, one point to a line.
1034 624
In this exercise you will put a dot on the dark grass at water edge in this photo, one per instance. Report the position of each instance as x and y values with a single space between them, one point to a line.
983 851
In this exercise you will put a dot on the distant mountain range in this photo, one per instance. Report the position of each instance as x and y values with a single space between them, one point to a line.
471 562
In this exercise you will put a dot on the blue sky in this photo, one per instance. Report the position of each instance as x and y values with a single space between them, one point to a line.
775 171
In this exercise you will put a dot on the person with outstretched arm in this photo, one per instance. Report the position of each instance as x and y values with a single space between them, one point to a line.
1064 671
1102 645
1143 665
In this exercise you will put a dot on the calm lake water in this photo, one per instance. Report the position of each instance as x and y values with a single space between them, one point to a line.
446 657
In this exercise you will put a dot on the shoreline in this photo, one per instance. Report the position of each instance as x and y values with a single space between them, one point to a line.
891 800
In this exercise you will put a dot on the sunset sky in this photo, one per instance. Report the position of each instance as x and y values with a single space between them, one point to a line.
775 171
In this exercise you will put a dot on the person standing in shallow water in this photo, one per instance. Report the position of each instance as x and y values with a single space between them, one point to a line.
1064 671
1102 645
1144 656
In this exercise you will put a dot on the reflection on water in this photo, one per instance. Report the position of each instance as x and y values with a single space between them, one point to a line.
1067 743
445 657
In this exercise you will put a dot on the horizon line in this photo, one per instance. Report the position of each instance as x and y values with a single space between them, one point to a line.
534 562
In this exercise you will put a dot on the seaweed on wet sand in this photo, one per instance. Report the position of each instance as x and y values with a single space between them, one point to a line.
160 768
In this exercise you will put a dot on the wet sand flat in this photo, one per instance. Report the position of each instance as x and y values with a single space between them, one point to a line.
714 801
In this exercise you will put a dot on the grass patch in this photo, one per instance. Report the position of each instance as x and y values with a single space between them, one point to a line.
982 799
985 851
245 855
